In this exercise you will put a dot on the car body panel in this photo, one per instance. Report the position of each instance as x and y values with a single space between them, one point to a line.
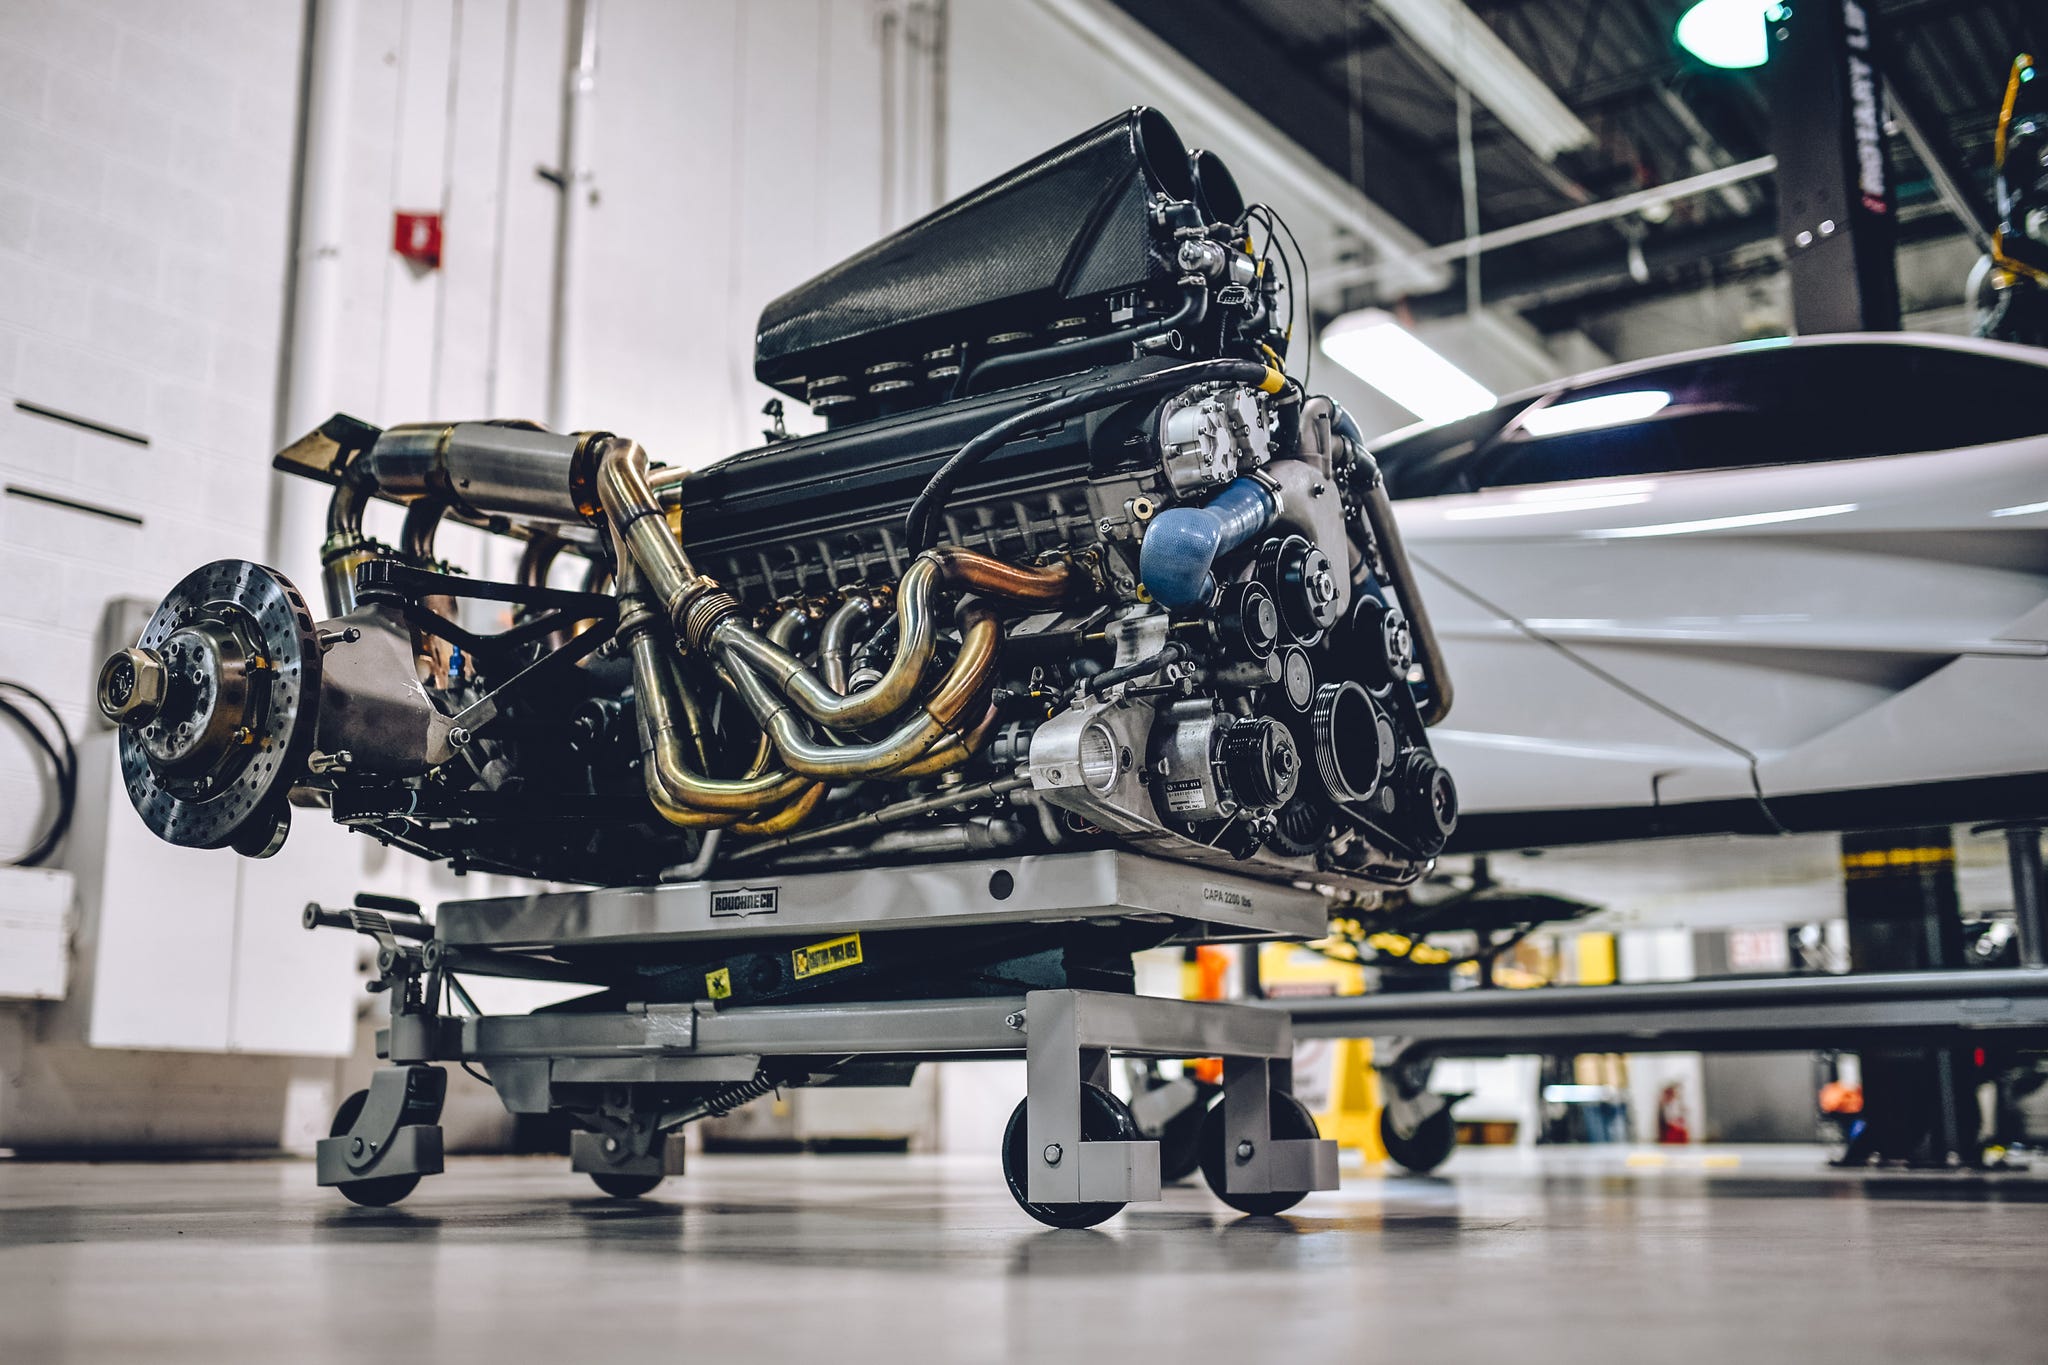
1716 636
1510 745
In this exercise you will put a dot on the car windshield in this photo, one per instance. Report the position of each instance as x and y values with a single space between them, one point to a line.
1431 462
1771 405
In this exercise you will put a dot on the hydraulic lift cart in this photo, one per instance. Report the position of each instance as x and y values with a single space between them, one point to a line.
707 994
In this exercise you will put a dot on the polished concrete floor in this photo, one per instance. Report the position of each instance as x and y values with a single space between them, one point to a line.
1583 1255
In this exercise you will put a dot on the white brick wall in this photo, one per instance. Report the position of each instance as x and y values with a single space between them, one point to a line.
145 163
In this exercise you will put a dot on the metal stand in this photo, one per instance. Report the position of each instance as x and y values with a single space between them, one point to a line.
631 1072
2023 854
1952 1011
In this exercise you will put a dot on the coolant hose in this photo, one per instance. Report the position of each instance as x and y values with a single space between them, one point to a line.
1183 544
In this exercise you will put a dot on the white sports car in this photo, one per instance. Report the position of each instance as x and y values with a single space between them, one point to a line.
1793 585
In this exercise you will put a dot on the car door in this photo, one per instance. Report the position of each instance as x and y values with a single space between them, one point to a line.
1779 549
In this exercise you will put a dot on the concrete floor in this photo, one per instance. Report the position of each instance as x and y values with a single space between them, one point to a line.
1579 1255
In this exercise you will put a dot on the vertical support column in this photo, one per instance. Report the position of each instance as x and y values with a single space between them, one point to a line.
578 184
2023 852
313 305
1824 81
1899 890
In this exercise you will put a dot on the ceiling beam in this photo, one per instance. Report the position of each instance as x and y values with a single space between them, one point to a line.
1243 56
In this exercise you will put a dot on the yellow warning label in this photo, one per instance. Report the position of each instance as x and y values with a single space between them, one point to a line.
718 984
1885 862
828 956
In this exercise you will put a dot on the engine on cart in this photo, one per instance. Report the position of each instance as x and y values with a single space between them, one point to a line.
1075 563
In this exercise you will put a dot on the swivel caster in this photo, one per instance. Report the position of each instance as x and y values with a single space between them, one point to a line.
1428 1148
1289 1119
626 1186
378 1191
1103 1119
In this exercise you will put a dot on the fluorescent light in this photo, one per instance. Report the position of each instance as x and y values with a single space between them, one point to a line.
1377 349
1686 528
1607 410
2024 509
1728 33
1463 45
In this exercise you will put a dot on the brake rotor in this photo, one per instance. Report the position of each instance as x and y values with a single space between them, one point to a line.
216 704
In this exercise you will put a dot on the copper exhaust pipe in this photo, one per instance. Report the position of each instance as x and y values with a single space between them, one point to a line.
913 737
681 794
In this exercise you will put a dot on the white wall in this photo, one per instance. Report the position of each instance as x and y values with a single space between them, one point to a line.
145 164
740 151
145 174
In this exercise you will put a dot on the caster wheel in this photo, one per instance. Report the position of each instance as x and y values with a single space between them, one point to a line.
626 1186
1428 1149
1103 1119
1289 1119
378 1191
1180 1142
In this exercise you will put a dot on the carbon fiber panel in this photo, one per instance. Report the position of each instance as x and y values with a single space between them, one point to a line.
1068 227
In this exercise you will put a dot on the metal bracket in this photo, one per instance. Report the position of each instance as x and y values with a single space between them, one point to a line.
398 1132
600 1154
1068 1038
406 586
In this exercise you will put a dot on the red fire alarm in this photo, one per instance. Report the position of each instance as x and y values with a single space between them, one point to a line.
417 237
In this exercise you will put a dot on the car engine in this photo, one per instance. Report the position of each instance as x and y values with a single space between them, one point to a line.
1076 563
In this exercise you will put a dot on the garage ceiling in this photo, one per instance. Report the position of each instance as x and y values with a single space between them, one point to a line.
1366 99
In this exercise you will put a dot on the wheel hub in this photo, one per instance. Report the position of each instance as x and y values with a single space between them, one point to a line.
215 708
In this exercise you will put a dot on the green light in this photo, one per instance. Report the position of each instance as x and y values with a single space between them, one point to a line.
1729 33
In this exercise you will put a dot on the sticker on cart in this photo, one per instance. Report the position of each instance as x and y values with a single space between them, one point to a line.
829 956
1228 896
740 901
718 984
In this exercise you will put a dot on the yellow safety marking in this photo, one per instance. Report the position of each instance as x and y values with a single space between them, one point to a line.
718 984
1877 861
829 956
1648 1161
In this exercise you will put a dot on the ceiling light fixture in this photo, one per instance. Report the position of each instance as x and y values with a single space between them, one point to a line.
1729 33
1377 349
1460 42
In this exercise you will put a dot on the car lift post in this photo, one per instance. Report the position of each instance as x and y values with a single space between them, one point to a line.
2023 853
1836 214
1899 894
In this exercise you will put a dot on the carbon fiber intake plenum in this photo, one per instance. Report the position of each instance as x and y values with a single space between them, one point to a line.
1064 230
